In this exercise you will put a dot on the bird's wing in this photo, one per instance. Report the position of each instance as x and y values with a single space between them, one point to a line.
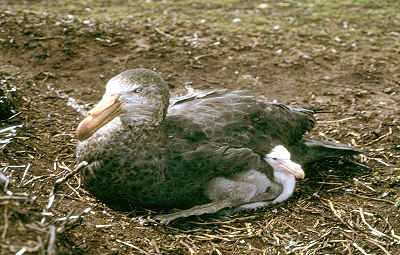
189 170
239 119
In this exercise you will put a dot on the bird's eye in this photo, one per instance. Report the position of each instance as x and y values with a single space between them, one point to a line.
138 90
275 158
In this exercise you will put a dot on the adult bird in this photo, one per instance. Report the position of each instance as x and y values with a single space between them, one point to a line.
202 153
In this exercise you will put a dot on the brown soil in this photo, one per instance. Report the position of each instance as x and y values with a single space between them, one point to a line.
334 210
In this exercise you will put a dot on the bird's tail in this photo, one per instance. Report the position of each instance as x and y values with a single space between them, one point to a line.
318 150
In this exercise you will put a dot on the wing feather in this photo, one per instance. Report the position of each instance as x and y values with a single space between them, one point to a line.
239 119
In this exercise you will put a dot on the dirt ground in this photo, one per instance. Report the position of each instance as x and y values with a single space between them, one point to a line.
342 59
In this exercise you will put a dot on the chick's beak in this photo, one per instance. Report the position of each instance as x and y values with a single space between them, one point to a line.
100 115
292 168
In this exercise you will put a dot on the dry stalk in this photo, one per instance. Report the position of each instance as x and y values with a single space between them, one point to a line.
337 215
276 239
359 248
292 228
61 180
21 251
51 200
25 173
335 121
132 246
372 198
163 33
5 225
209 237
10 197
73 218
155 245
74 190
374 231
36 178
382 162
347 245
70 174
51 248
103 226
217 251
356 181
395 236
191 251
337 188
380 138
379 246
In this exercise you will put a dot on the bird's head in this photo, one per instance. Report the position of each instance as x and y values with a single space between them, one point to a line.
137 96
279 159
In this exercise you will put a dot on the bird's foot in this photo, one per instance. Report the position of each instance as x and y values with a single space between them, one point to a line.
165 218
243 208
196 210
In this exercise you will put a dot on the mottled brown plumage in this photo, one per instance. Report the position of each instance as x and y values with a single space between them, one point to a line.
154 156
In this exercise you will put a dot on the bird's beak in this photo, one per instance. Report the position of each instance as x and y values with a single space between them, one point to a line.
292 168
100 115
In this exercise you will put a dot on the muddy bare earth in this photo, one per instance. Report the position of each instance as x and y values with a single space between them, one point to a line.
342 59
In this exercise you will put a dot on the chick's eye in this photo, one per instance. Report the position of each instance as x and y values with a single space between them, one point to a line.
138 90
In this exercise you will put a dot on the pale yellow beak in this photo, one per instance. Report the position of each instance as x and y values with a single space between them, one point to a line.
292 168
100 115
